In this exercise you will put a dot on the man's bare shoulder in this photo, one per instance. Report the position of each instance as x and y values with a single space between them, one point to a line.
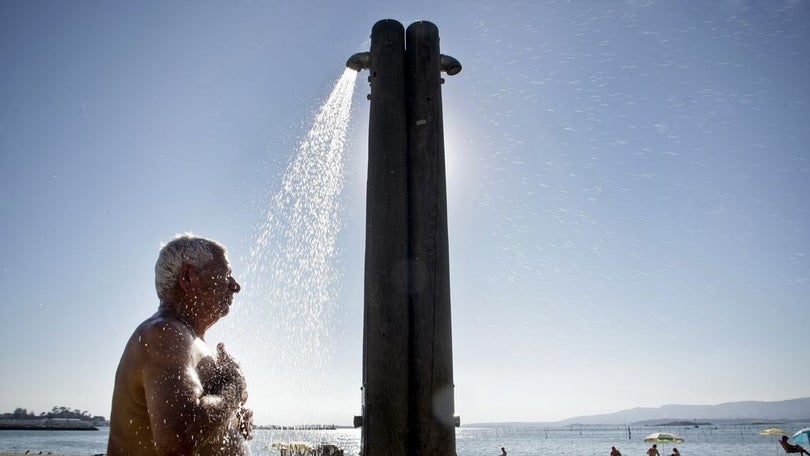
163 335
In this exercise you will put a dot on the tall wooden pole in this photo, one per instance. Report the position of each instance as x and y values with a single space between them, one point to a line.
385 326
431 351
408 396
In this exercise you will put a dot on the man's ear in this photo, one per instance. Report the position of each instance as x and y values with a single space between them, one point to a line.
187 277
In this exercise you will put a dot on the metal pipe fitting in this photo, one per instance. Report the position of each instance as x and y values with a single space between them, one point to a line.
449 65
360 61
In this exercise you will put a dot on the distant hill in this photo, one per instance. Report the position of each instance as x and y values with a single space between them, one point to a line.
793 409
750 411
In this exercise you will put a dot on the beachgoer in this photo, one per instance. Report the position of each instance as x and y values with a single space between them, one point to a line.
791 448
172 394
675 452
615 452
653 451
503 451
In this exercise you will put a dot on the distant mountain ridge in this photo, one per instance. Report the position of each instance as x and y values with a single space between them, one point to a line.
776 411
792 409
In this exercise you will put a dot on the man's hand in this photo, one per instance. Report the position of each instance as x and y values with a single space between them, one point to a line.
246 422
231 373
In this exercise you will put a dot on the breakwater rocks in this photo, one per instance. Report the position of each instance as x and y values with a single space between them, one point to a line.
48 424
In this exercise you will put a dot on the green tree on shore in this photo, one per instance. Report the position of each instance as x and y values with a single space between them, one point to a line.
56 412
22 414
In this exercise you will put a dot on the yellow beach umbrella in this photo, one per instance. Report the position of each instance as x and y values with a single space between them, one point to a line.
772 431
663 437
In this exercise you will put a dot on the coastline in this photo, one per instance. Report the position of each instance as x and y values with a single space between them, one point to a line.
37 453
46 425
48 428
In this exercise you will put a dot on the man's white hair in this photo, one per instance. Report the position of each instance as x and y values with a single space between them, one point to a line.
182 249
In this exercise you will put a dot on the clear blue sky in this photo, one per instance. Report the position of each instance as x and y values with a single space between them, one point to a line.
628 195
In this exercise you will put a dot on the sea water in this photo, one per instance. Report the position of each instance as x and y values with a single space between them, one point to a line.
706 440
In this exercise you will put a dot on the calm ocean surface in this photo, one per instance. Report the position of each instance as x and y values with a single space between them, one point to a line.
723 440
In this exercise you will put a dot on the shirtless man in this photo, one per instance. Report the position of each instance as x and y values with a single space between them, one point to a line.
653 451
172 395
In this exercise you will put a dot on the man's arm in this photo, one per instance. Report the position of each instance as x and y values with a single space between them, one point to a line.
180 414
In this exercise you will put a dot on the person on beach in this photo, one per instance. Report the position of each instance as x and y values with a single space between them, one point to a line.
503 451
172 394
653 451
675 452
791 448
615 452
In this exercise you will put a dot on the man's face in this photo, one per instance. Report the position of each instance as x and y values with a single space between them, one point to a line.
218 286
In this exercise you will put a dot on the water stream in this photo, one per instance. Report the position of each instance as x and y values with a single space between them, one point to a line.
281 324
